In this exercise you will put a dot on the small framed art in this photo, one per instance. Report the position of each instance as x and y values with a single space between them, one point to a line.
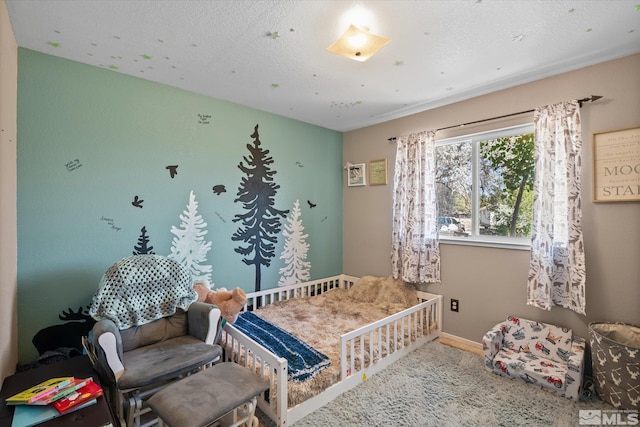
357 174
616 165
378 172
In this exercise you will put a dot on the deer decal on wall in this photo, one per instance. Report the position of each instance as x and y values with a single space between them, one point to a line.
67 335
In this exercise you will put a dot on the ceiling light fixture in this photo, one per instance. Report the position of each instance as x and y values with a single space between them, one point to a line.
358 43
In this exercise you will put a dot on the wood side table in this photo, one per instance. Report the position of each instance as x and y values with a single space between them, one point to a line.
96 415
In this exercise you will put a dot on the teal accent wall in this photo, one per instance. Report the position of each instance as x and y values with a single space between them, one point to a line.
91 139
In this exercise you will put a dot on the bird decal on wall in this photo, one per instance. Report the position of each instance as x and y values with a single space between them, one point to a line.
173 170
219 189
137 202
311 205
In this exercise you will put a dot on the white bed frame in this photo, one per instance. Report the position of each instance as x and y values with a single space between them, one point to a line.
400 333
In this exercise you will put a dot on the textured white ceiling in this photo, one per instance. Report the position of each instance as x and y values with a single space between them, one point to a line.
271 55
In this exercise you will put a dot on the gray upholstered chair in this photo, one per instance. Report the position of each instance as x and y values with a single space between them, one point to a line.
150 331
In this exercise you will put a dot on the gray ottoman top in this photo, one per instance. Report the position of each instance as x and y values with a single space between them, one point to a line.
200 399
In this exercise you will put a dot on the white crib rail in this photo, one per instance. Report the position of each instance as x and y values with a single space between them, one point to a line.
239 348
306 289
371 344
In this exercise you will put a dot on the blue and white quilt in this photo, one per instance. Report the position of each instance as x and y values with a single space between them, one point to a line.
303 361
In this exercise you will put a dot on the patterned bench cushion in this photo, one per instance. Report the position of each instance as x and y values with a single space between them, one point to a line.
540 339
539 371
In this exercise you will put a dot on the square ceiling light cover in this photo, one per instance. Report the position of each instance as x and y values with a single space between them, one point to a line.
358 44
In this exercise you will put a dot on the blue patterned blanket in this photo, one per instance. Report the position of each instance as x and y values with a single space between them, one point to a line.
303 361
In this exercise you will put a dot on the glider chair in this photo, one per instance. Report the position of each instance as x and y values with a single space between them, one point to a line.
542 355
150 332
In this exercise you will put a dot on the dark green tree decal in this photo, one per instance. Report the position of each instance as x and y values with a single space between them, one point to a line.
261 223
143 241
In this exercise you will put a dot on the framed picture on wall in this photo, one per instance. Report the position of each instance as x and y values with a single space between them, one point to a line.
357 173
378 172
616 165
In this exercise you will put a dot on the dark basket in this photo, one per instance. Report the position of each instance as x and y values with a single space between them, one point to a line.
615 360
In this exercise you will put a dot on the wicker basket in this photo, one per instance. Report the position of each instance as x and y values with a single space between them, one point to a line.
615 359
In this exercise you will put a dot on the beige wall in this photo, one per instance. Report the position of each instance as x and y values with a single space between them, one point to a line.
8 219
491 283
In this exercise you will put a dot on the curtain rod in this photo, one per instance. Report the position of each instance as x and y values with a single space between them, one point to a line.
591 98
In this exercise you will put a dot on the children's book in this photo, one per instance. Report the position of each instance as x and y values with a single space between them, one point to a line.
31 415
39 391
75 384
90 391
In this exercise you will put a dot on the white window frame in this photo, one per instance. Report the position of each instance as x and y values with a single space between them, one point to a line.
477 239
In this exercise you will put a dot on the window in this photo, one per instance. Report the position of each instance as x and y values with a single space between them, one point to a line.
484 185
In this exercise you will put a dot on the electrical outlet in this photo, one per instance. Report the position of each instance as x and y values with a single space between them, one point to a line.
455 305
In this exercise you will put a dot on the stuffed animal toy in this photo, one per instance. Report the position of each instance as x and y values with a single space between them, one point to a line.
229 302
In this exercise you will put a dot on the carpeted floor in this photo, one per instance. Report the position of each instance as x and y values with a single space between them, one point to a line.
438 385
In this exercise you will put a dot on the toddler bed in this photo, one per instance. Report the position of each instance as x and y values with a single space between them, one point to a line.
362 325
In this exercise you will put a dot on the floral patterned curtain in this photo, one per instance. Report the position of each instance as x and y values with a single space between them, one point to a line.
415 255
557 266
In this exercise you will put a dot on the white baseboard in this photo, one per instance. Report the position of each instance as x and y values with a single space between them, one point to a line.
461 340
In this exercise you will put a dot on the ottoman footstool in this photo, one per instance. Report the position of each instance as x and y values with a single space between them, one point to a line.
225 393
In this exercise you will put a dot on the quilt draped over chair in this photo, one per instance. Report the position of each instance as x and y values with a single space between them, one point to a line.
140 289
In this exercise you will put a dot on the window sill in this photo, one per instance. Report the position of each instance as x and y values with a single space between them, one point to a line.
488 243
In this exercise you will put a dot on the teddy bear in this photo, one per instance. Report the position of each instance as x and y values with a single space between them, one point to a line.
230 303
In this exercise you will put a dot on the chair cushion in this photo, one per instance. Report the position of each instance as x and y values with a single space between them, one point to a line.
156 331
165 360
540 339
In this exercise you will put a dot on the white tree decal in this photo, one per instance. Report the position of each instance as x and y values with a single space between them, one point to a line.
294 253
188 247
